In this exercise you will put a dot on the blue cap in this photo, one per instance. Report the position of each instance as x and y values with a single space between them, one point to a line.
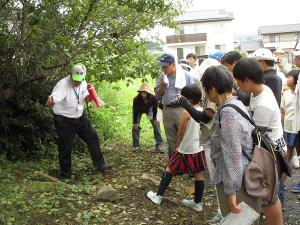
216 54
165 60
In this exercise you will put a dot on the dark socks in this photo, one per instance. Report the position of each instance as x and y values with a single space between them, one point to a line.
164 183
199 188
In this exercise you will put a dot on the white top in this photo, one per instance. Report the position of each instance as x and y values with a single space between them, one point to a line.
195 73
68 100
190 143
296 122
288 105
266 112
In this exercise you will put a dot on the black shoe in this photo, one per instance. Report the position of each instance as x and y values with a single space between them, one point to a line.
104 168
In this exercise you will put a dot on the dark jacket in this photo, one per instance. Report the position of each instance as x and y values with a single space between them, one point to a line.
139 106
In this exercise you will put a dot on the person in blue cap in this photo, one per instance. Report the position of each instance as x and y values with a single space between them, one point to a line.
168 85
68 99
216 54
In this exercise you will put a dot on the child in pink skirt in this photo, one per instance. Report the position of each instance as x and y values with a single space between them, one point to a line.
189 157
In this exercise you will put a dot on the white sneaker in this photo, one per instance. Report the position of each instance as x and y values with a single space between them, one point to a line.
156 199
192 204
295 162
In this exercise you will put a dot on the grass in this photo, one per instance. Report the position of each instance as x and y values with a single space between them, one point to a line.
118 98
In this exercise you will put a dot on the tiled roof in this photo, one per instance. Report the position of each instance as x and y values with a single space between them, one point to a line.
275 29
204 16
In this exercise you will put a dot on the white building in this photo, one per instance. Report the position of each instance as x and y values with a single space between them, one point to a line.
201 32
285 37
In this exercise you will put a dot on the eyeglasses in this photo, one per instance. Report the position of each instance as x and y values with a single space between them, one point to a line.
79 73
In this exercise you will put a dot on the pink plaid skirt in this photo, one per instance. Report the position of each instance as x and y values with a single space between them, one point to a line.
187 163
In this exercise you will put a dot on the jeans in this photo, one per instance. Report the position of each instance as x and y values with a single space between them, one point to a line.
156 131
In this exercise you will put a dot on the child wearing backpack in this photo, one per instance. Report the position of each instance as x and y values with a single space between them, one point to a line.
189 157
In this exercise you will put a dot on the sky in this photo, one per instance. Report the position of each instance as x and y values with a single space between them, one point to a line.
251 14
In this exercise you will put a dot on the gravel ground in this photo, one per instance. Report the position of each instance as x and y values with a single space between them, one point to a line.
292 212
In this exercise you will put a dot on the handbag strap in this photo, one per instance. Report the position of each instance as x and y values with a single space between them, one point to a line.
240 111
243 114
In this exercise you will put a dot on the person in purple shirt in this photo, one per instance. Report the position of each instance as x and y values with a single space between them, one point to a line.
145 102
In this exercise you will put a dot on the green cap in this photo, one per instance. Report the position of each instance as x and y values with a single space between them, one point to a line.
79 72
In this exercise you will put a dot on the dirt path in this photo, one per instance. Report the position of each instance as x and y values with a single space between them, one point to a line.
34 201
292 213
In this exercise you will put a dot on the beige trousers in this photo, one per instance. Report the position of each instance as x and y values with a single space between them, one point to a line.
171 119
242 196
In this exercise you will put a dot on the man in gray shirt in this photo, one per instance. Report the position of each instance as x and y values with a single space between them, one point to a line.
168 86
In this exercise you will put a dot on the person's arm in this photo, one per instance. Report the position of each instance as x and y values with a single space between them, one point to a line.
58 94
282 116
161 86
154 107
182 125
134 110
200 116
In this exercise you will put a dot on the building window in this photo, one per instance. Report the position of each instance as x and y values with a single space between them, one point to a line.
199 50
274 38
180 30
180 53
222 48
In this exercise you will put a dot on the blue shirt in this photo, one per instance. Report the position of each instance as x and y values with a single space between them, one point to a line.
171 91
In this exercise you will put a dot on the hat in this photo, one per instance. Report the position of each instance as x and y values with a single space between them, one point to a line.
297 53
263 54
206 64
279 51
184 64
165 60
145 87
79 72
216 54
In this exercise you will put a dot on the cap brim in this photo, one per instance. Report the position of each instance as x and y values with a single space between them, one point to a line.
77 77
163 64
263 58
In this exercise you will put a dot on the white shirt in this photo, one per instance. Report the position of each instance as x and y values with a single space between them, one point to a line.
266 112
68 100
190 143
296 122
288 105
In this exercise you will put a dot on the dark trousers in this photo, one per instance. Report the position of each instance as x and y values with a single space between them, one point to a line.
67 129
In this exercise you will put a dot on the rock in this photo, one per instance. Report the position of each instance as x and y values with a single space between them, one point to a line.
107 193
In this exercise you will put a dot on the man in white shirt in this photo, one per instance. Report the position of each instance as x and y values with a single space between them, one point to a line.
68 99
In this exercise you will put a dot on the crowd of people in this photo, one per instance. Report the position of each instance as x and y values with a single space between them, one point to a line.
264 86
201 133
